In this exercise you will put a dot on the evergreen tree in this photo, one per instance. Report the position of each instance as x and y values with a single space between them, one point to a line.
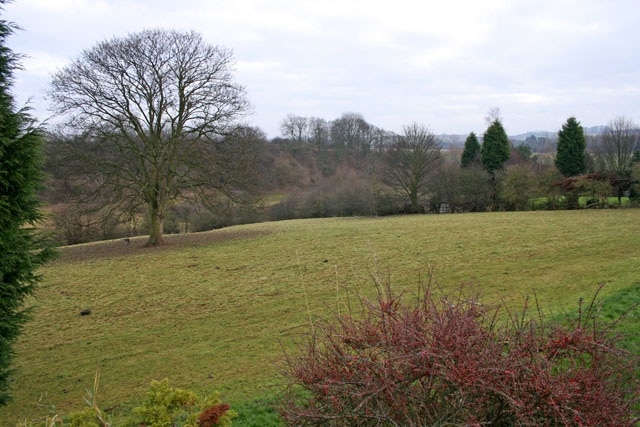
20 178
495 147
570 157
471 152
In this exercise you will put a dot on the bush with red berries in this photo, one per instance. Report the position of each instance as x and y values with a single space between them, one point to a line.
452 361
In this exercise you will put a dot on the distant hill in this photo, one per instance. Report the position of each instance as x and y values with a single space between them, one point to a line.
594 130
542 137
590 131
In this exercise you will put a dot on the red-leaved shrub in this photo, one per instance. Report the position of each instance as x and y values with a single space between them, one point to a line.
212 415
449 362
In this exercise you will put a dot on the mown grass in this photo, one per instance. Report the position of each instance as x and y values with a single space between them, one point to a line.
213 311
622 309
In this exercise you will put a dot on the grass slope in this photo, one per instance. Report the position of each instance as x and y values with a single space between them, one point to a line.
212 311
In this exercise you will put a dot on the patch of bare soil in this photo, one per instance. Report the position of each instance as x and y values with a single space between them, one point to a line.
136 245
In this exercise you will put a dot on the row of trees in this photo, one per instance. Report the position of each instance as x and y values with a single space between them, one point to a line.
492 173
350 132
613 150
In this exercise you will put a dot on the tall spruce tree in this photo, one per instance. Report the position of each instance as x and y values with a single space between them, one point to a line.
570 156
495 148
20 178
471 152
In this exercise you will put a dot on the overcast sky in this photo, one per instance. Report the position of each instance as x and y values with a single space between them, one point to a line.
442 63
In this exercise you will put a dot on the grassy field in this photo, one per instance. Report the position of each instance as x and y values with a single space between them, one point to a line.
213 311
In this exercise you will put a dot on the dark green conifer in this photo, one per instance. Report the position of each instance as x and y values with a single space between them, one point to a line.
570 157
20 178
495 147
471 152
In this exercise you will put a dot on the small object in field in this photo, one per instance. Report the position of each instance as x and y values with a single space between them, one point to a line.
85 312
126 241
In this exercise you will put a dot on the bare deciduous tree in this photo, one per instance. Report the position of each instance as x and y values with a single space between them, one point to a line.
318 131
295 128
351 132
618 143
411 160
147 103
493 115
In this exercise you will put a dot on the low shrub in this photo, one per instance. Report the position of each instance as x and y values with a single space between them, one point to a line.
449 362
164 406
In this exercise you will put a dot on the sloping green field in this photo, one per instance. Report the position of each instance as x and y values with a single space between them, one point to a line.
213 311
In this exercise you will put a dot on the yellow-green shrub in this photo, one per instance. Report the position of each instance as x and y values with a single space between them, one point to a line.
166 406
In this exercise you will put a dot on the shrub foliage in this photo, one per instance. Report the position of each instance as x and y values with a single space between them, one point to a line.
167 406
449 362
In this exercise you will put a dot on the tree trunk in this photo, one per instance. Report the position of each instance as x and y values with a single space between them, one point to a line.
413 197
156 223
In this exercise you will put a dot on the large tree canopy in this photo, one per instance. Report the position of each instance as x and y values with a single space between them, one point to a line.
352 132
570 158
148 105
20 178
